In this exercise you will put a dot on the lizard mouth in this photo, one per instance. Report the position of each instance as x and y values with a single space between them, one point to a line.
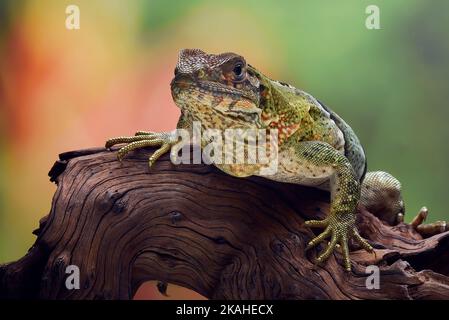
225 100
185 82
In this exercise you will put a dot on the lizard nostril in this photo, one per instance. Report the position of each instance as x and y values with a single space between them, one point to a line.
176 71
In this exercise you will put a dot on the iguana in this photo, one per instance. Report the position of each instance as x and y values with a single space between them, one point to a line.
315 146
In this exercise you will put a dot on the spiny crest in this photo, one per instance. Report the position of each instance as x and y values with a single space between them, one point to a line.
191 60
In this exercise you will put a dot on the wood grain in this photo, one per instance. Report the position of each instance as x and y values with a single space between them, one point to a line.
226 238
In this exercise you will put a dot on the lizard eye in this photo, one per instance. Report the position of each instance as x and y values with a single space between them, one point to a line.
238 71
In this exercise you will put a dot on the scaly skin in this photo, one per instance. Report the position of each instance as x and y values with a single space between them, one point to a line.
315 146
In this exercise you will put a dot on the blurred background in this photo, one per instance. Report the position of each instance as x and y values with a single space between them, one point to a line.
66 89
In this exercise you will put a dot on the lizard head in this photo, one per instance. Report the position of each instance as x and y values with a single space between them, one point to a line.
218 90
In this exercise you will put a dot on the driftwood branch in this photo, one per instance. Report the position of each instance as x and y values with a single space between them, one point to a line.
224 237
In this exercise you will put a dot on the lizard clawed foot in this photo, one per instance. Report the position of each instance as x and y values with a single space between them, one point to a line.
144 139
427 229
340 231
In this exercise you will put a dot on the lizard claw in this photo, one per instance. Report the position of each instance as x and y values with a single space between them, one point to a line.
340 231
144 139
428 229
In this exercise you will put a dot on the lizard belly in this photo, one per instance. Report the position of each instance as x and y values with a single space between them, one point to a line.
298 171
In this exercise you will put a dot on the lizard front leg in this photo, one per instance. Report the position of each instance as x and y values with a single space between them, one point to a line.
144 139
318 157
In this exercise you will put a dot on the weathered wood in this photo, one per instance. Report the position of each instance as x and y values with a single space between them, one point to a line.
224 237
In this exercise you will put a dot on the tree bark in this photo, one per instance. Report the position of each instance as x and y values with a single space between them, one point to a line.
223 237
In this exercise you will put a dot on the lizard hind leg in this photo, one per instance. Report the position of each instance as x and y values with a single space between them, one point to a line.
381 195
